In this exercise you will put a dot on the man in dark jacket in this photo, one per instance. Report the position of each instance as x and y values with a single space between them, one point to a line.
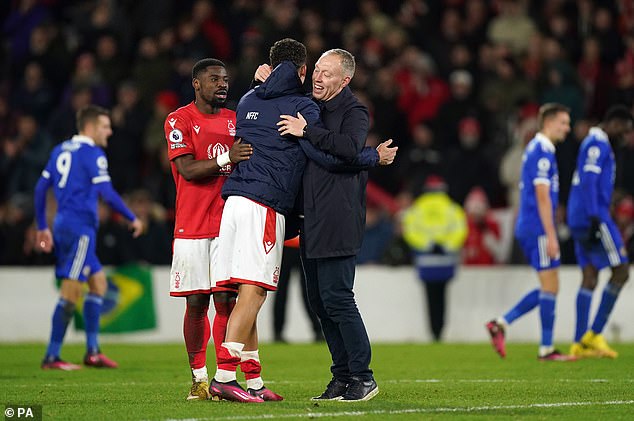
334 219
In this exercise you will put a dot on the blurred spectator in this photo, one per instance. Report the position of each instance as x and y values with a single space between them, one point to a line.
125 147
34 95
596 77
154 135
151 70
605 30
155 245
16 215
24 155
435 228
483 238
19 25
61 124
418 161
512 27
470 156
86 74
421 92
461 104
111 62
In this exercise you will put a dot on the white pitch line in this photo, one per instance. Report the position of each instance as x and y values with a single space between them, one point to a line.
407 411
381 381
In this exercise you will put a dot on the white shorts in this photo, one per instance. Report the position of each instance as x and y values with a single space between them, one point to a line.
251 242
192 262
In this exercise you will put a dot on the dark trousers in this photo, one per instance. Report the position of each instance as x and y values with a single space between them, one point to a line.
329 283
291 261
436 297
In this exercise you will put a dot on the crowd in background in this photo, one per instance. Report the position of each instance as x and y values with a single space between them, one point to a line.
456 83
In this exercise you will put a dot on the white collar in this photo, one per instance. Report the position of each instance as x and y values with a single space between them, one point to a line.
83 139
599 134
545 141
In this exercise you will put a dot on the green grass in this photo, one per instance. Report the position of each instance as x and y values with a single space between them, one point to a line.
416 382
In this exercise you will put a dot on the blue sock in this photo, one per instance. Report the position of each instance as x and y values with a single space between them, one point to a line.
92 311
584 299
610 294
526 304
547 315
62 315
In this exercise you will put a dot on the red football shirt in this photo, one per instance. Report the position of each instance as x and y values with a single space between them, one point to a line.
204 136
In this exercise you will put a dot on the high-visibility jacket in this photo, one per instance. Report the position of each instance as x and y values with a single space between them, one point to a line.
435 228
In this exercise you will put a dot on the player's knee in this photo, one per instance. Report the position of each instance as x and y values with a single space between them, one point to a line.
224 297
69 308
589 283
197 301
620 275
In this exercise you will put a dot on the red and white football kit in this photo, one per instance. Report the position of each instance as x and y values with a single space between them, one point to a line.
198 203
252 243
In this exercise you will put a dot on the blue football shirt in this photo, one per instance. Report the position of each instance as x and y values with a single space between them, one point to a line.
539 166
592 181
74 169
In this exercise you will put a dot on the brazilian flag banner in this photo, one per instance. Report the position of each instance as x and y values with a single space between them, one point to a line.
128 305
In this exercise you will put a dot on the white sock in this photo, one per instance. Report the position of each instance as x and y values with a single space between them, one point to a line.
545 350
256 383
224 376
200 374
234 348
250 355
502 321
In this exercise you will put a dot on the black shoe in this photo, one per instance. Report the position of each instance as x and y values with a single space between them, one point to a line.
334 391
360 390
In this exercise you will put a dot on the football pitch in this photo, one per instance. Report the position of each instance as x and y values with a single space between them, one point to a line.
438 381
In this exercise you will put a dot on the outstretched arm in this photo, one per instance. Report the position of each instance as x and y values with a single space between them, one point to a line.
366 159
112 198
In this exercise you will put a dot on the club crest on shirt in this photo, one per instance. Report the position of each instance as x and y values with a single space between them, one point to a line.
231 127
216 149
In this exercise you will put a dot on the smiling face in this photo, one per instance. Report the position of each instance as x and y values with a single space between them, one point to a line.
328 77
212 86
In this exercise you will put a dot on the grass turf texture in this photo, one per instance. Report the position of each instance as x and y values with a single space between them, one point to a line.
439 381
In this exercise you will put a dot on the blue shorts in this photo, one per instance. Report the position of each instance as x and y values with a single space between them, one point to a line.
608 252
534 249
75 250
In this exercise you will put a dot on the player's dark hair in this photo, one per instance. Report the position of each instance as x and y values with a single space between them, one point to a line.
203 64
89 114
618 112
550 110
288 49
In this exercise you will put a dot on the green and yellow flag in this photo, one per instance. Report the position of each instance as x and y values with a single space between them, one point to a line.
128 304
